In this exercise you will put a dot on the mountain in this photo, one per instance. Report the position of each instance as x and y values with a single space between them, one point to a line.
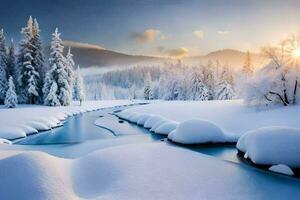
230 57
88 55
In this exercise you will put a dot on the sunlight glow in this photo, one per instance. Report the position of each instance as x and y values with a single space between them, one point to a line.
296 53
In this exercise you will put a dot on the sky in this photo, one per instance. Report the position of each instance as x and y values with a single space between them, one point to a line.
158 27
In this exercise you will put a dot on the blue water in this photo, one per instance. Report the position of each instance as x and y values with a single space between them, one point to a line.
81 127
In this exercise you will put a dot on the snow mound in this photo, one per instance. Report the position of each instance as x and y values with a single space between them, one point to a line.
143 118
282 169
34 175
12 132
166 128
40 126
29 119
157 124
272 145
5 141
197 131
149 123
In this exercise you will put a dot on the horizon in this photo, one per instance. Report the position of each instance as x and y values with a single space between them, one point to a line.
144 28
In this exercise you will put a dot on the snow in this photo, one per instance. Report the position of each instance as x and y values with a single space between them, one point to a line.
143 118
272 145
195 131
233 116
151 121
166 127
29 119
123 172
283 169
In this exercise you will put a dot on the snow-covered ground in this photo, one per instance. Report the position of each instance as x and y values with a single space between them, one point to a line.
135 167
136 171
28 119
232 116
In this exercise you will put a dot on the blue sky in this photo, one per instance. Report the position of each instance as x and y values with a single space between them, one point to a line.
158 27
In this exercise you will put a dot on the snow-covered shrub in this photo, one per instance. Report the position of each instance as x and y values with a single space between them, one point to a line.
196 131
272 145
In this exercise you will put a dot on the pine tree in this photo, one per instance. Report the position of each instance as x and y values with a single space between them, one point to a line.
147 87
198 90
11 100
11 61
248 68
225 89
37 55
69 68
28 75
58 72
3 67
78 91
51 98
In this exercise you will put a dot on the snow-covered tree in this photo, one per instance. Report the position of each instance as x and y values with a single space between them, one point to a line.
51 98
198 90
38 61
11 99
58 72
11 61
3 67
78 91
29 77
147 87
224 89
248 68
70 67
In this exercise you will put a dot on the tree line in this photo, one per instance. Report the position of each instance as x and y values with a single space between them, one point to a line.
25 76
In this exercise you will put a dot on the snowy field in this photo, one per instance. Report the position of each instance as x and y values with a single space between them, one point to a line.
28 119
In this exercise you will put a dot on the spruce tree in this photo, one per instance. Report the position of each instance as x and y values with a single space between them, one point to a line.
248 68
3 67
147 87
37 55
51 98
70 66
28 75
78 91
58 72
11 61
11 100
198 90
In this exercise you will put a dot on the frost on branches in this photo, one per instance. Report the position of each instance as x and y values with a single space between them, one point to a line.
278 82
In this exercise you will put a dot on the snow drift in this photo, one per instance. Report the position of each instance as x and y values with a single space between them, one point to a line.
196 131
272 146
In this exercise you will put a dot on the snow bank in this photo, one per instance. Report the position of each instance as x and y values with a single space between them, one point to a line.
135 172
282 169
232 115
197 131
272 145
166 127
29 119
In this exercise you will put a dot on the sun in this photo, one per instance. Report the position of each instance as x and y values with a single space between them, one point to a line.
296 53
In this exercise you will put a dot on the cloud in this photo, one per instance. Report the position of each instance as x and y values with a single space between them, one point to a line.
147 36
223 32
199 34
178 52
